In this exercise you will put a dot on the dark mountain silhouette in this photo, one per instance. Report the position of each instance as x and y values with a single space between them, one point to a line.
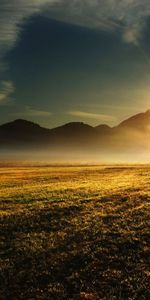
20 133
74 134
73 129
103 129
140 121
21 126
131 133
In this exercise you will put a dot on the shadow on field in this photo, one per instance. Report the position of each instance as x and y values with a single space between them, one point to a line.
40 219
62 253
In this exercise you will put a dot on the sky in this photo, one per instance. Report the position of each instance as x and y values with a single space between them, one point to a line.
74 60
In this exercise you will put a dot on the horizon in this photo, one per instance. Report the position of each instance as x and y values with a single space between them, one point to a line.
77 141
72 122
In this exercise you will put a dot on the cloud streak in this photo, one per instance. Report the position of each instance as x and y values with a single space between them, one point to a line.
6 91
31 112
94 116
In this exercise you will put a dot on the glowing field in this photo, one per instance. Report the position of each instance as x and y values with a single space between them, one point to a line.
75 232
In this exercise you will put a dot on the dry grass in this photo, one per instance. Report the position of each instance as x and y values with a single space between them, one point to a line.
72 232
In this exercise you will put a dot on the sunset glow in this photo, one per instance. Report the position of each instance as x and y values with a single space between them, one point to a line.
74 149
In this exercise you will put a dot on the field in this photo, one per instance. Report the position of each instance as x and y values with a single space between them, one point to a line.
74 232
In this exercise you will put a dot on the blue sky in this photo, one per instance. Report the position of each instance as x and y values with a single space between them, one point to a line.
63 61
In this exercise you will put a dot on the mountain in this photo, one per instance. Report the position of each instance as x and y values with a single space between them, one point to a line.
140 122
20 126
73 130
20 123
132 133
103 129
73 135
21 133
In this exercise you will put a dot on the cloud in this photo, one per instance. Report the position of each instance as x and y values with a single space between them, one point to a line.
89 13
31 112
127 16
94 116
12 13
6 91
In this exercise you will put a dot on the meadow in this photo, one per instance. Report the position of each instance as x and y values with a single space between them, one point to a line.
74 232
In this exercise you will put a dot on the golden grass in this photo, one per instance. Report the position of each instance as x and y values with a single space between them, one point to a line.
75 232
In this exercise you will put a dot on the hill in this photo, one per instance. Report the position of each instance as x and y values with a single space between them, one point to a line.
140 122
131 133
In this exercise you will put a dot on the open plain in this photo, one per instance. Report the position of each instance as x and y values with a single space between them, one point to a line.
74 231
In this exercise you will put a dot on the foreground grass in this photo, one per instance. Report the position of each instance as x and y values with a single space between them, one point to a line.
75 232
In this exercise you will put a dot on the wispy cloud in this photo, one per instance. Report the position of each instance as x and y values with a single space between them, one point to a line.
128 16
7 88
12 13
94 116
28 111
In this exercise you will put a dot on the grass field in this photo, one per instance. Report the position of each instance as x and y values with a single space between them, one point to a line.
75 232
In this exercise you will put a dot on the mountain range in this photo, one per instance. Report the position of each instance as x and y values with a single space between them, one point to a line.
130 134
